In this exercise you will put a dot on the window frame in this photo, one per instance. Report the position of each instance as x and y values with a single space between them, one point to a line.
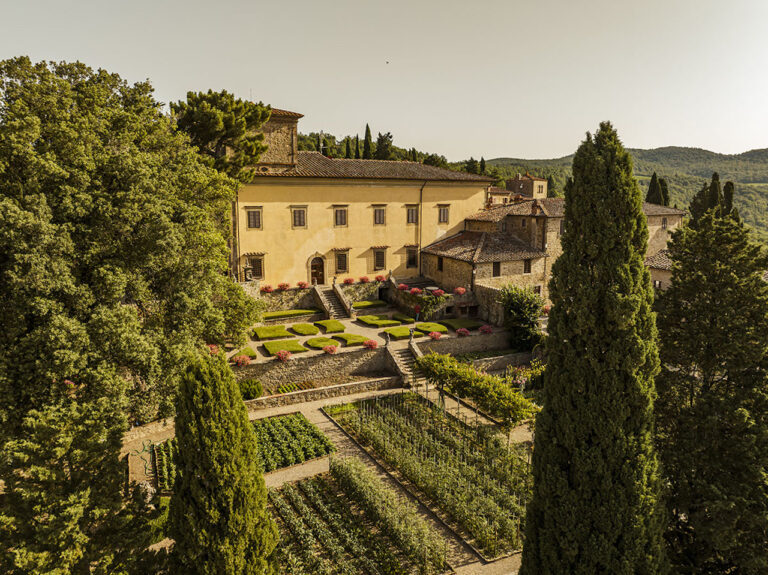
439 263
339 270
337 210
496 269
294 211
443 208
380 209
527 265
412 209
376 253
256 210
250 261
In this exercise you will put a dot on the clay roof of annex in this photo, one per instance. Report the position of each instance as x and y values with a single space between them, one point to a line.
316 165
552 208
483 247
659 261
285 113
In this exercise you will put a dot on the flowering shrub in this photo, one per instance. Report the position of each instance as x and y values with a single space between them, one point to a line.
330 349
415 291
486 329
283 286
241 360
283 355
459 290
434 335
266 288
303 285
438 292
364 279
402 287
416 308
546 309
462 332
349 281
380 278
69 383
370 344
213 349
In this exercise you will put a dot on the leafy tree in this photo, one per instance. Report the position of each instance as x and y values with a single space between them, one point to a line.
367 144
552 191
655 195
225 130
712 197
482 165
712 408
522 310
664 191
218 514
357 147
435 160
328 148
348 153
384 146
595 495
471 166
320 143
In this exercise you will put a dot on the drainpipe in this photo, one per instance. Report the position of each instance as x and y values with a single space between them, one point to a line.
236 236
421 222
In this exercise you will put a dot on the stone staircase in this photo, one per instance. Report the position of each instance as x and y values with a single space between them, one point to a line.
406 364
332 303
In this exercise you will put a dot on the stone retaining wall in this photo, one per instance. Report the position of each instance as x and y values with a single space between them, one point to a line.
501 362
358 361
293 298
306 395
473 342
362 291
487 298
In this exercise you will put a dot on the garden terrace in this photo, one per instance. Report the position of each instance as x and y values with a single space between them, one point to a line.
365 304
331 325
293 346
402 332
466 473
377 320
289 313
271 332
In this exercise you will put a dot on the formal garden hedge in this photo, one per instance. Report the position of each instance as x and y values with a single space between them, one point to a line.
331 325
403 332
351 339
377 320
289 313
368 303
293 346
271 332
305 329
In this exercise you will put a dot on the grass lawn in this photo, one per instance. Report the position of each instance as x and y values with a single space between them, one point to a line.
293 346
377 320
321 342
331 325
459 323
289 313
368 303
402 332
429 326
350 339
305 329
402 318
247 351
271 332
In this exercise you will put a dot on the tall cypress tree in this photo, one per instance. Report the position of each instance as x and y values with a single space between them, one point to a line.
218 514
709 197
348 153
367 144
712 407
595 494
664 191
482 165
654 195
357 147
471 165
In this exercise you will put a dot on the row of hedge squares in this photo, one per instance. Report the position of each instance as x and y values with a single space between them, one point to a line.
267 332
278 348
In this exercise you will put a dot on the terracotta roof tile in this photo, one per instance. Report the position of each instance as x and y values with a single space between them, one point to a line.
553 208
286 113
483 247
315 165
657 210
659 261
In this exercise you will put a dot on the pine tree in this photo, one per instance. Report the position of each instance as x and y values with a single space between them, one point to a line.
712 406
471 166
357 147
218 516
595 493
383 146
664 191
654 195
367 144
348 153
482 165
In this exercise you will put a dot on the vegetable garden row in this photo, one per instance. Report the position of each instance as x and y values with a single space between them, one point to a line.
468 473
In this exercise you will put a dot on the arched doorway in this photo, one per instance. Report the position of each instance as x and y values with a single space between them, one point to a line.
317 271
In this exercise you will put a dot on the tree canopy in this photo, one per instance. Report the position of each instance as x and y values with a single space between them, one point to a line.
383 146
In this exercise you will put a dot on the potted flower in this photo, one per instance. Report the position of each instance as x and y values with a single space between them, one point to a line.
364 279
283 286
241 360
330 349
438 293
303 285
283 355
459 290
266 288
415 291
402 287
435 335
462 332
370 344
348 281
380 278
486 329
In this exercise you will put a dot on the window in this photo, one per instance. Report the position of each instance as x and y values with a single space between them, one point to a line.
379 259
257 267
442 214
526 266
663 223
342 264
537 290
562 226
505 200
254 218
299 217
340 216
657 284
379 216
523 222
411 258
439 263
496 269
504 226
541 189
412 216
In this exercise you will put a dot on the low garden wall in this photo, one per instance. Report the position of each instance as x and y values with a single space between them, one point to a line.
487 300
323 392
293 298
471 343
501 362
317 366
361 291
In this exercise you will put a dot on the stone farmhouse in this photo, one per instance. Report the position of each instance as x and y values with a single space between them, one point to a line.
309 218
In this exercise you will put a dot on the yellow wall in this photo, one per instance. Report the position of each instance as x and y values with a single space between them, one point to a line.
288 251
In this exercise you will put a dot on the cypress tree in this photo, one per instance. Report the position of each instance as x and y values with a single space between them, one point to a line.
319 143
357 147
367 144
712 407
482 165
348 153
664 191
654 195
218 514
471 165
709 197
551 189
595 493
383 146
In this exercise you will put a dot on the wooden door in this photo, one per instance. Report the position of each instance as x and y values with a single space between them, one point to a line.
318 271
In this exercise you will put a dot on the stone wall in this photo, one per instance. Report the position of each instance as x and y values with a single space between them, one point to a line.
501 362
358 361
362 291
293 298
455 272
487 299
280 138
474 342
662 276
658 235
512 272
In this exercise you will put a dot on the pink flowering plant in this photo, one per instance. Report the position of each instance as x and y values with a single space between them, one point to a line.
486 329
459 290
380 278
435 335
303 285
402 287
349 281
283 355
241 360
364 279
462 332
330 349
438 293
266 288
546 309
415 291
283 286
213 349
370 344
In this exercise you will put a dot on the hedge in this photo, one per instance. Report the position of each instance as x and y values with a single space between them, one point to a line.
402 318
459 323
305 329
331 325
428 327
402 332
289 313
351 339
271 332
368 303
291 345
378 320
247 351
321 342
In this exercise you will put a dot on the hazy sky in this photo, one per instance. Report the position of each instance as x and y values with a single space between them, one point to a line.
484 77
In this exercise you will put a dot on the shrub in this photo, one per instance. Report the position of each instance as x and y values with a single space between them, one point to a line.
380 278
368 303
283 286
486 329
462 332
266 288
348 281
331 325
248 351
438 292
459 290
271 332
429 326
371 344
377 320
350 339
415 291
321 342
273 347
435 335
402 287
402 332
241 360
283 355
401 317
364 279
522 310
330 349
305 329
213 349
302 285
250 388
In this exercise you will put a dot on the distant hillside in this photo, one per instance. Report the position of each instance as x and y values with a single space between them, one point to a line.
686 170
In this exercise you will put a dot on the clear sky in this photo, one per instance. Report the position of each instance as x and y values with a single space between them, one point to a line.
521 78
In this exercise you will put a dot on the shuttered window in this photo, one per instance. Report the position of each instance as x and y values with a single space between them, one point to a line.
299 217
340 217
439 263
442 215
379 216
527 266
412 216
254 218
379 259
341 262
